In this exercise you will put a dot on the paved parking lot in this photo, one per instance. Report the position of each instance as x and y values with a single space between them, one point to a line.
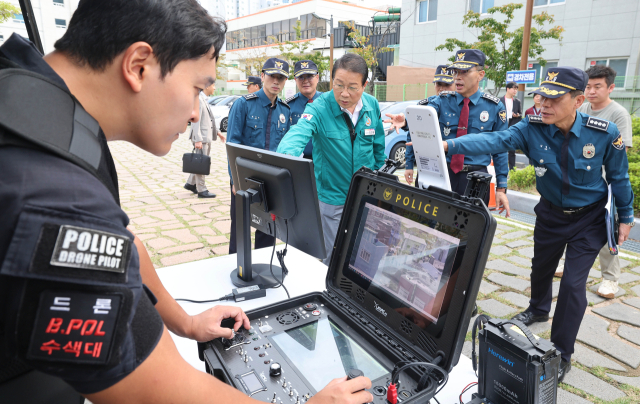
178 227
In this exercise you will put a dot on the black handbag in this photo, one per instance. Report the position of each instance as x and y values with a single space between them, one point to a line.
196 162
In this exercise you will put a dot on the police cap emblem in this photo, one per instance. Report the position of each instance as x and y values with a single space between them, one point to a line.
589 150
460 56
552 76
304 65
279 65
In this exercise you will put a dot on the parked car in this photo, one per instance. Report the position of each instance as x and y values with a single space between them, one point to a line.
216 99
221 111
395 146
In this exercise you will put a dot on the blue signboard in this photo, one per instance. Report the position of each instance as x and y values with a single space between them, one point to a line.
522 76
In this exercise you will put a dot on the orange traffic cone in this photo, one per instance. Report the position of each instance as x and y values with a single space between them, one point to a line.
492 188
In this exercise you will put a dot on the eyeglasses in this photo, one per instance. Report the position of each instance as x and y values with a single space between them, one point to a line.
351 90
306 77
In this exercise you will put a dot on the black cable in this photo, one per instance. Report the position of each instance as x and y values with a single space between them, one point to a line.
434 397
227 297
281 282
395 375
281 255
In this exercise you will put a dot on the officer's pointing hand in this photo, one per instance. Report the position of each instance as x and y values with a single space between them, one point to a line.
206 325
397 121
623 233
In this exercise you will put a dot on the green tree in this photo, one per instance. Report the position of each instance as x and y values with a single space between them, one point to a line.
7 10
365 48
503 47
296 50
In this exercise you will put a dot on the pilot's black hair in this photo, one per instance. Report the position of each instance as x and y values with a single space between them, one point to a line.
177 30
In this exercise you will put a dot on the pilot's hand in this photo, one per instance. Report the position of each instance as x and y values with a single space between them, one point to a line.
343 391
206 325
397 121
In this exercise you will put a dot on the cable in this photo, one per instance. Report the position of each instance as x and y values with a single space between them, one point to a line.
227 297
432 382
470 385
280 257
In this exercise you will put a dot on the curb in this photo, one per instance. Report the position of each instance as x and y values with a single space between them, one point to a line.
526 202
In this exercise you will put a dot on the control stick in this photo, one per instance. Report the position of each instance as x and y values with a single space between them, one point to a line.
353 373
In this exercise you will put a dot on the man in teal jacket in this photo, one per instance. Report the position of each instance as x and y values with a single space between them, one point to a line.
346 130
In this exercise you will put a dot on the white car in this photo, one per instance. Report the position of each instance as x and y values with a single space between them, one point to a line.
221 111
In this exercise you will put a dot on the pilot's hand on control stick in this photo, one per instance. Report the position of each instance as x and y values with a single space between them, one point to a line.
343 391
206 325
397 121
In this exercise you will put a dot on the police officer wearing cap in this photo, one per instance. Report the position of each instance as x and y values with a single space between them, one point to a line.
568 149
443 81
306 75
253 84
260 120
464 111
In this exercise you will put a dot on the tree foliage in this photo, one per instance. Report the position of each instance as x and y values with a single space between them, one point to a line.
503 47
7 10
296 50
365 48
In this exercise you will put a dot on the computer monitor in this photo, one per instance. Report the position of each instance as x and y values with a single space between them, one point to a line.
268 185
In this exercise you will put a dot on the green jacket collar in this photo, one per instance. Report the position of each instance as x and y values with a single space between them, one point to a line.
335 107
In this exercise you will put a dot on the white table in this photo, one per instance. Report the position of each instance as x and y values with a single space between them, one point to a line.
209 279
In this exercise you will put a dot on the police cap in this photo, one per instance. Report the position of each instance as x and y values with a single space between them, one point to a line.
443 75
304 67
253 80
276 66
468 58
561 80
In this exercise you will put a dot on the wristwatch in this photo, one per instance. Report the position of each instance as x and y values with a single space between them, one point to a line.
630 224
501 190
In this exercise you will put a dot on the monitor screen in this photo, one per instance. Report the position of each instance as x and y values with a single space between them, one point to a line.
404 259
322 352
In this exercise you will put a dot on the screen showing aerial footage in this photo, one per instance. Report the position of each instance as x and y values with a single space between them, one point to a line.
404 258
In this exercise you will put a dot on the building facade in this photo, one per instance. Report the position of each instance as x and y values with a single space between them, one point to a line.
52 18
256 35
589 37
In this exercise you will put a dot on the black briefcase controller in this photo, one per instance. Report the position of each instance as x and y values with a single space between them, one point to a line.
401 286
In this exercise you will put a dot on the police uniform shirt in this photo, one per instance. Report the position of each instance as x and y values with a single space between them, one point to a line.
568 169
486 114
297 103
72 303
248 120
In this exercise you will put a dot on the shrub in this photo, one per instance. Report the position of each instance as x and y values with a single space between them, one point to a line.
522 179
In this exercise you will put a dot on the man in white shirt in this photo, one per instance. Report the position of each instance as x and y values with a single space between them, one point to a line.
514 114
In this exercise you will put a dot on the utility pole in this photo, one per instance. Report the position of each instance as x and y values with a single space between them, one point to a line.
524 57
331 54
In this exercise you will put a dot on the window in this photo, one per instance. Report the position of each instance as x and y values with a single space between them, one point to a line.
537 3
365 255
19 18
60 23
541 72
480 6
59 3
427 10
619 65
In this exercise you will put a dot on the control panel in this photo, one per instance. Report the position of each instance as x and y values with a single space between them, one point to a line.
290 355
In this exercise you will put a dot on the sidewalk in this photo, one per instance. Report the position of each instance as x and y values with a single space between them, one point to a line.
178 227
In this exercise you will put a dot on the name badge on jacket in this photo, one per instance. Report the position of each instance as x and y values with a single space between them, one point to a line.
369 132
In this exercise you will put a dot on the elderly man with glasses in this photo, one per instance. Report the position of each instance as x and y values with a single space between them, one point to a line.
306 75
469 110
345 127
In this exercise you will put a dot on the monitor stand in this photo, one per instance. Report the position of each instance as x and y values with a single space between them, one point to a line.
248 274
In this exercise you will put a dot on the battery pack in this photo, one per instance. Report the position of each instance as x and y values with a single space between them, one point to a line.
516 367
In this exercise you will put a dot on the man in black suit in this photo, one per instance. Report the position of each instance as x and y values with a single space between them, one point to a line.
514 114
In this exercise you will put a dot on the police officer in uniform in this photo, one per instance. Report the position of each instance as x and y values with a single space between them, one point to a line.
468 110
253 84
260 120
568 150
73 305
443 81
306 75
